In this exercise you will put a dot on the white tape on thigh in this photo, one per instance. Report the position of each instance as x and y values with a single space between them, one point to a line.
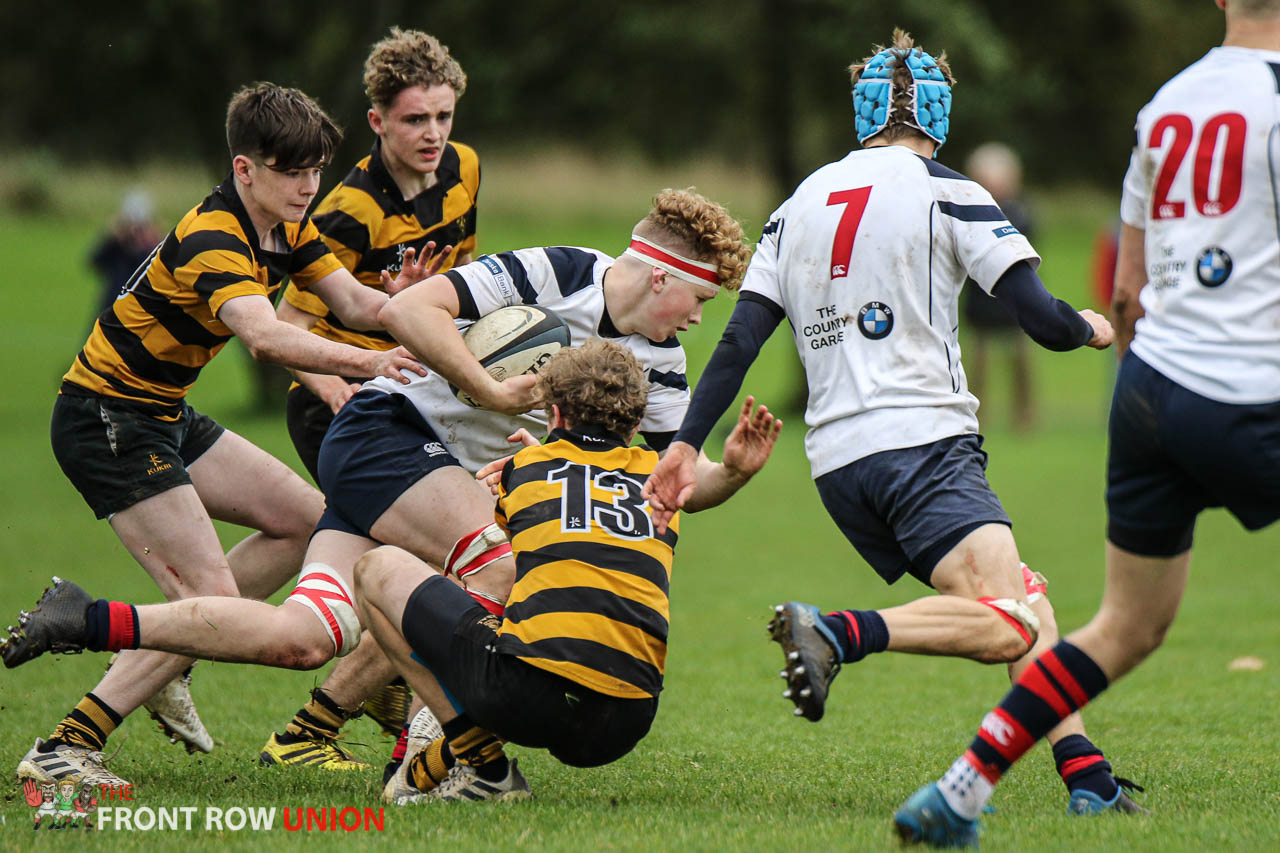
323 590
476 550
1017 612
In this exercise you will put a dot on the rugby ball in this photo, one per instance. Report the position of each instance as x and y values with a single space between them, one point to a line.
513 340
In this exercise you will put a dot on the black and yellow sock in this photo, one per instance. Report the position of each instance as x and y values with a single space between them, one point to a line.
89 725
428 768
320 719
477 748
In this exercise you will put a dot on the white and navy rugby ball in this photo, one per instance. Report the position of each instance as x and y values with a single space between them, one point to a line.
513 340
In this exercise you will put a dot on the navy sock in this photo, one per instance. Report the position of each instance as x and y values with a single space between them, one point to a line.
858 632
111 626
1083 766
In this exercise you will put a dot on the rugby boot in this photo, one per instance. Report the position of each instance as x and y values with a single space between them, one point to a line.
810 656
318 754
1084 802
424 729
64 761
389 707
463 784
926 817
174 712
56 624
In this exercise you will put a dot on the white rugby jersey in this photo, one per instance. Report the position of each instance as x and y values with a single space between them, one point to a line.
570 282
867 259
1202 184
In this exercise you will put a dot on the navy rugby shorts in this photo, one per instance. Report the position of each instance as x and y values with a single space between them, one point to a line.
376 448
904 510
455 638
1174 453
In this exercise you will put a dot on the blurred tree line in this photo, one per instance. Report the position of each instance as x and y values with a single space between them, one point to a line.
758 80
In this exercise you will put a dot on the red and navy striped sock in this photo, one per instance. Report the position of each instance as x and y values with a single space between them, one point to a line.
859 632
1082 766
112 626
1059 682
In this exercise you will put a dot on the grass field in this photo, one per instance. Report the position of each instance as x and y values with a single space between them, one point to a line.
726 766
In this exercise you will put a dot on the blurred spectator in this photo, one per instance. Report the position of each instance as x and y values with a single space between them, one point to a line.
999 170
124 247
1106 248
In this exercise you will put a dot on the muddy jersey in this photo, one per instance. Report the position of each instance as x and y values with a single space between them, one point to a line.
569 281
1202 185
867 259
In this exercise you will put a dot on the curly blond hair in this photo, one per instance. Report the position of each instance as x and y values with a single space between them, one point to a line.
409 58
898 127
692 225
598 383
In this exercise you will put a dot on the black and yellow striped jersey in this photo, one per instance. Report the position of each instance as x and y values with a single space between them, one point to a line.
150 345
590 601
368 224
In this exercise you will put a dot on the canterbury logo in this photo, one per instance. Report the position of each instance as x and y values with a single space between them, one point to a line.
434 448
996 726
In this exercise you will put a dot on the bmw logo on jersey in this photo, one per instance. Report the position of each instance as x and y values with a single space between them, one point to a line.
1213 266
875 320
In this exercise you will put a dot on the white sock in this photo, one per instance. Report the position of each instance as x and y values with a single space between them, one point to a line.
965 789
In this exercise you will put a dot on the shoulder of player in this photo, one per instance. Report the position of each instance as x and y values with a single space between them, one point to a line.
206 228
468 165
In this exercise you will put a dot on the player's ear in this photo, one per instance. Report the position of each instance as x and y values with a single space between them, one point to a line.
657 279
242 167
375 120
557 418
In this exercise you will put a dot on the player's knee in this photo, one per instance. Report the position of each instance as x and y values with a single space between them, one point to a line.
325 593
1013 629
301 655
371 569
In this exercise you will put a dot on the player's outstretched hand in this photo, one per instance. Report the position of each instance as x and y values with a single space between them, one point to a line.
511 396
393 361
414 268
748 447
671 483
491 474
1103 334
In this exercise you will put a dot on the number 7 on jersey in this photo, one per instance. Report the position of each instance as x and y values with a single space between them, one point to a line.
855 202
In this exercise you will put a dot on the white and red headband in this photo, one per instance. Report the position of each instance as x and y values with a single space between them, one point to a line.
695 272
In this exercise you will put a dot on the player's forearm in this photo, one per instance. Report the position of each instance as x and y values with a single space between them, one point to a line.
428 331
715 484
283 344
356 305
1050 322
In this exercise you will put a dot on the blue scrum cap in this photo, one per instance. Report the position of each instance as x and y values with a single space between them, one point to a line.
930 94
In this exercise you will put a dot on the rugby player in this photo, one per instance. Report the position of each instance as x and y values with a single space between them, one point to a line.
1197 309
157 469
894 447
575 664
416 189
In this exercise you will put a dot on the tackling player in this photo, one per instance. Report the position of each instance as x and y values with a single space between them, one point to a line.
397 463
866 260
576 662
416 189
1198 250
158 470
